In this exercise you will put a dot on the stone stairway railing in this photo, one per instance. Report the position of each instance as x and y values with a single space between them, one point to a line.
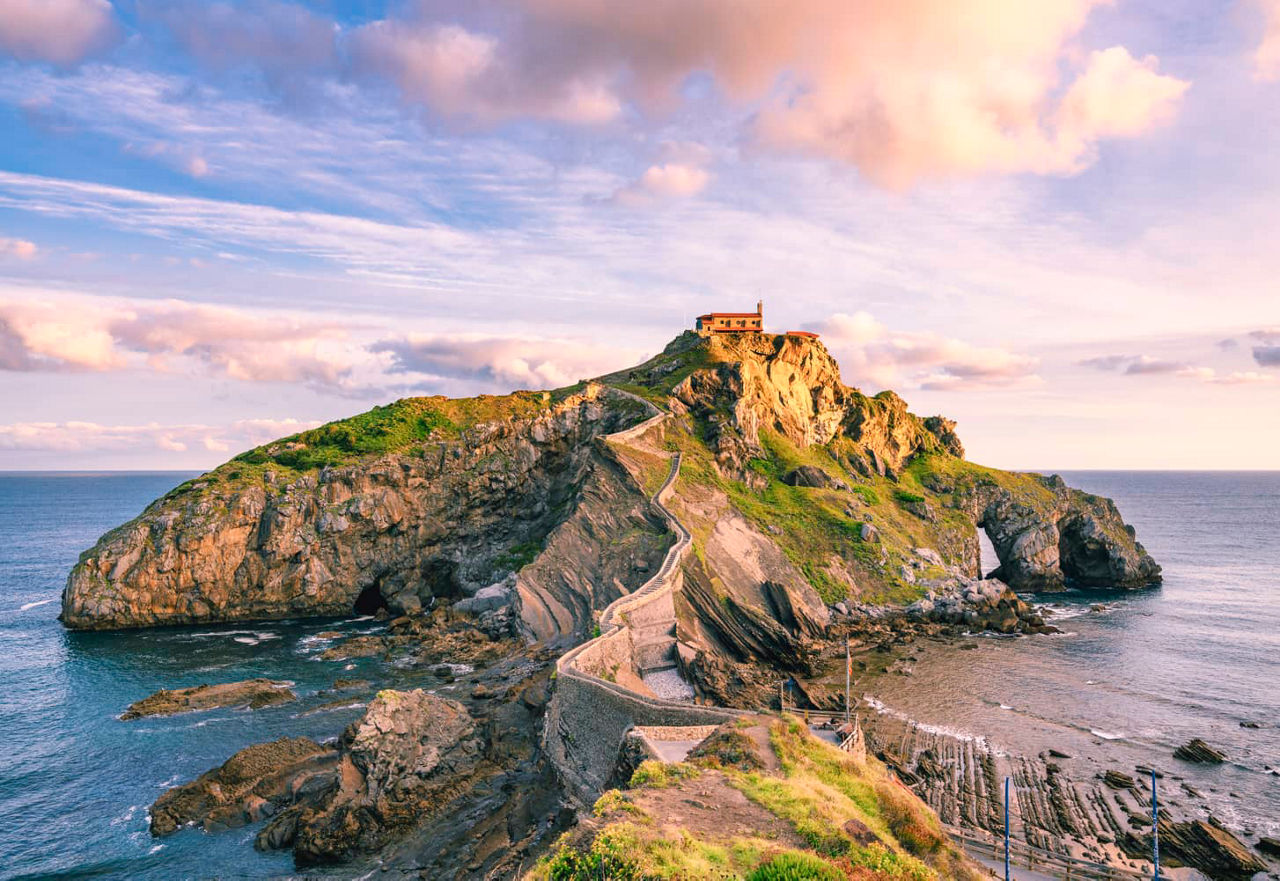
589 716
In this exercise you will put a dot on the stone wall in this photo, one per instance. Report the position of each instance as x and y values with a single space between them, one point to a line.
589 716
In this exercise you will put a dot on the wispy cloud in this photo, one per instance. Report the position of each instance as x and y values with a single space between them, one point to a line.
84 437
494 363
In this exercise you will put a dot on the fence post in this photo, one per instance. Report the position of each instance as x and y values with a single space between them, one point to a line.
1155 827
1006 829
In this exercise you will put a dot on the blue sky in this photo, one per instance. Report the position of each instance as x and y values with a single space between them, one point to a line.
220 222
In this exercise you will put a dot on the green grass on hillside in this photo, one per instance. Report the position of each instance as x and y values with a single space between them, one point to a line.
858 822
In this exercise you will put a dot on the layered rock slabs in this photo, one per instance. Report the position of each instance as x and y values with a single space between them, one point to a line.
426 498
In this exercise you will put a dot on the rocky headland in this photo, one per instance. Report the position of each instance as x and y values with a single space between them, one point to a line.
797 513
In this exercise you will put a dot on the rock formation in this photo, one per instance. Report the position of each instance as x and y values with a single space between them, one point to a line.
254 783
497 529
251 693
409 755
511 507
450 512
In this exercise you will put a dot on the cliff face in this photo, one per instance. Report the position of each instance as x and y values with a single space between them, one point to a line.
453 514
801 492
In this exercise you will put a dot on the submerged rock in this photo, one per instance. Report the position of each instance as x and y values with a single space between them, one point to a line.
252 693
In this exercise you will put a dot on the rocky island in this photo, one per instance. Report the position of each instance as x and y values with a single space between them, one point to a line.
651 551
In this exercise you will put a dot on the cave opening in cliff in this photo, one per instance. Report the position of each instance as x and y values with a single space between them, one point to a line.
370 600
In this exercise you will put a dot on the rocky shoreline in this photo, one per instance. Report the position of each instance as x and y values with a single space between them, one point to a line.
1062 802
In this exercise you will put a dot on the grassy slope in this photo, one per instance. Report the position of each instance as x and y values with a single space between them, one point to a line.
854 820
407 426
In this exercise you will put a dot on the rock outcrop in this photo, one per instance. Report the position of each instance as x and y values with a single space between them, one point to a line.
254 783
409 755
1199 752
251 693
1203 846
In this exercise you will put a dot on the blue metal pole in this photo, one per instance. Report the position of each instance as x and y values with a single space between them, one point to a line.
1006 829
1155 827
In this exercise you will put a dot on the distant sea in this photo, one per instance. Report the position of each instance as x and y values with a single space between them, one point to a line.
1129 682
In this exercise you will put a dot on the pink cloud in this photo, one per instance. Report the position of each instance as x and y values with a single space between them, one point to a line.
59 333
464 74
19 248
59 31
1267 57
927 88
502 363
872 354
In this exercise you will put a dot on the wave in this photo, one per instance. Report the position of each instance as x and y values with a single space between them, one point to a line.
1106 735
25 606
941 730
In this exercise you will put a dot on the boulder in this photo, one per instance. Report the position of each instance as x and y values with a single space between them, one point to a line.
811 476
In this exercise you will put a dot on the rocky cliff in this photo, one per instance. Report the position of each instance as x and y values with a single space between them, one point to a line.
424 500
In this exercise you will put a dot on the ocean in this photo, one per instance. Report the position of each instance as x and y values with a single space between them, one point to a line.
1132 676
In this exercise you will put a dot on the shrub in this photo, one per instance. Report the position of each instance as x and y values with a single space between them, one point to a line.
903 495
659 775
908 821
795 865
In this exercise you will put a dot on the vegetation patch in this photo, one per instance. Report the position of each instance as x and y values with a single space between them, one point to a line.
659 775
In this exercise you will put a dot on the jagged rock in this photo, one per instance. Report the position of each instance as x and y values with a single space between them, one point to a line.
869 533
252 693
1206 847
252 784
1269 846
409 755
808 475
1118 780
1198 751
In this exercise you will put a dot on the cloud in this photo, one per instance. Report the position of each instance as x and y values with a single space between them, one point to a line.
870 353
1267 356
283 40
502 363
665 181
1140 365
1267 58
59 31
19 248
81 437
67 333
461 73
931 88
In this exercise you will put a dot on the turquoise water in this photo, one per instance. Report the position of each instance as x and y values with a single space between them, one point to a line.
1191 659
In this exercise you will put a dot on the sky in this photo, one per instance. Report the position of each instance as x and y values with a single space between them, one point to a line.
222 222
